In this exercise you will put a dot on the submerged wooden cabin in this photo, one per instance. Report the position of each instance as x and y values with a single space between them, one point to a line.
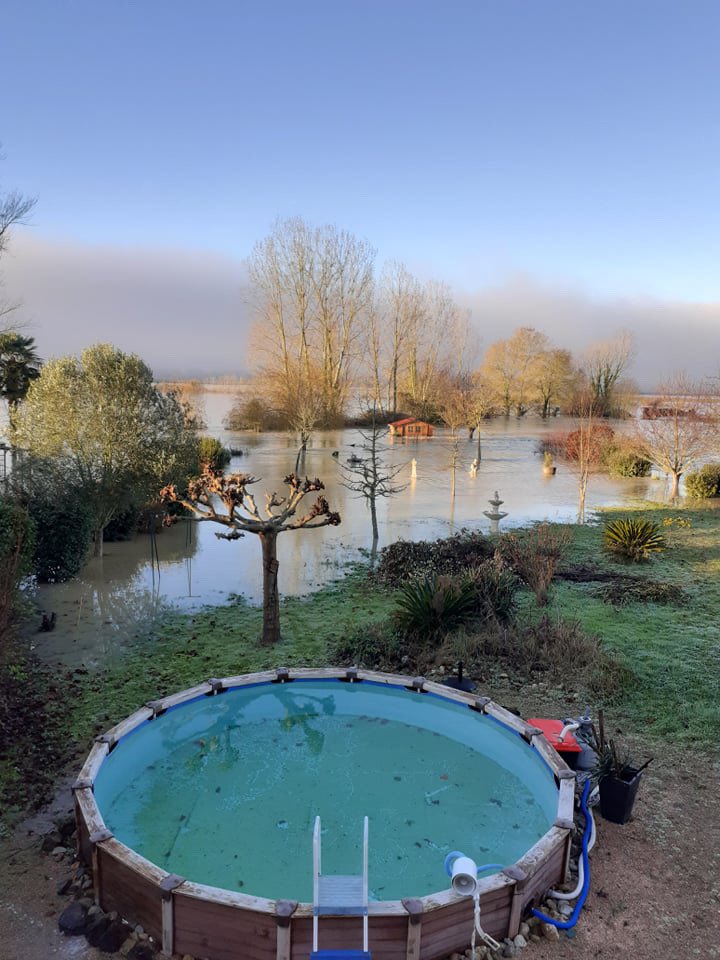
411 427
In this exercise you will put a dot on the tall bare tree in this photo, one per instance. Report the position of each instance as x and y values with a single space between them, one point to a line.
604 364
242 515
681 429
312 289
15 208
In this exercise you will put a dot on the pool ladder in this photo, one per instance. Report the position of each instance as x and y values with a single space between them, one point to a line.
339 895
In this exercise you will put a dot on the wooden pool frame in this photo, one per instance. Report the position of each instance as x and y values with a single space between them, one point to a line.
216 924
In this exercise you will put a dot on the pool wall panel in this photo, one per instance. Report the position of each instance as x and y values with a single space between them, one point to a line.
222 932
125 889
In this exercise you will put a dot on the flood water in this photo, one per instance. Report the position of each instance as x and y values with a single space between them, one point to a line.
117 596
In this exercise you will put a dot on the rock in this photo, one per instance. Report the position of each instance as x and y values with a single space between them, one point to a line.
534 938
50 841
142 951
96 927
66 825
73 919
87 902
114 936
508 950
94 910
525 930
550 904
127 947
565 908
58 851
63 886
550 932
520 941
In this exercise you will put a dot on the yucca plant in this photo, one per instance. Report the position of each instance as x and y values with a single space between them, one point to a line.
434 605
634 540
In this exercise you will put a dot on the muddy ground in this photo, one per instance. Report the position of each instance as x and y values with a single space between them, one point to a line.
655 882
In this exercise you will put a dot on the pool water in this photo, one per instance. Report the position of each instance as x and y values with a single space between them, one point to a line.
224 790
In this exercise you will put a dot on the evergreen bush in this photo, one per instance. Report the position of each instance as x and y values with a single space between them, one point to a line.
16 544
63 524
211 453
704 483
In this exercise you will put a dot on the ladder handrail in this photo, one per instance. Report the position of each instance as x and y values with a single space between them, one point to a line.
365 884
316 878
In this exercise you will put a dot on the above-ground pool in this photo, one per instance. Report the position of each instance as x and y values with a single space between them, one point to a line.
197 811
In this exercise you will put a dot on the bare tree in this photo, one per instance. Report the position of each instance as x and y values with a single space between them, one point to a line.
242 515
312 288
584 446
454 412
479 406
372 478
14 210
604 364
401 312
681 428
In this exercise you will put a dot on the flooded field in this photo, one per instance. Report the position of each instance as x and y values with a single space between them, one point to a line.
118 595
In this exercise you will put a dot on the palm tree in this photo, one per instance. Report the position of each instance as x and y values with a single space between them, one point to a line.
19 366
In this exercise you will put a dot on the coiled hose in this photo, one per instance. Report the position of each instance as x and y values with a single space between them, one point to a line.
587 833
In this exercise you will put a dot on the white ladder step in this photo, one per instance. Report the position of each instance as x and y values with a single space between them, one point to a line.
341 894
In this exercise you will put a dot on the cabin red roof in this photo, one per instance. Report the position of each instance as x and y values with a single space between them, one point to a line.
400 423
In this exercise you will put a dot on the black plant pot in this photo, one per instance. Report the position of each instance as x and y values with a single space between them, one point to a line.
617 795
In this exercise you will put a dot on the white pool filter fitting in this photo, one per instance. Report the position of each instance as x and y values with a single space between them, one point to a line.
464 876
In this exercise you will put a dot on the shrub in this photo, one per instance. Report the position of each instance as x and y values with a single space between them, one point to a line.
559 649
211 453
254 414
534 555
409 560
376 648
63 524
704 483
623 460
494 590
634 540
16 543
434 605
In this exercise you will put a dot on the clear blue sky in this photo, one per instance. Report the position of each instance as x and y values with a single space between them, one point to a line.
578 141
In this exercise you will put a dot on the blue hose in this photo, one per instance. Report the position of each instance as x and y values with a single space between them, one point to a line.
573 918
452 857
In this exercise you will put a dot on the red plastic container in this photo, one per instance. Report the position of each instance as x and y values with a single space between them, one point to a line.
569 749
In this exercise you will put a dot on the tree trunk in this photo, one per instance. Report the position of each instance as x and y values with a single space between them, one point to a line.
581 504
98 549
675 485
471 433
271 599
373 516
479 444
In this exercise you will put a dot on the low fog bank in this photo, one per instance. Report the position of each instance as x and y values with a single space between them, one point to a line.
185 311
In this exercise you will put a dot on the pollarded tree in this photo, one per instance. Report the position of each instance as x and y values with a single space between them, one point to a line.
104 426
509 369
681 429
242 515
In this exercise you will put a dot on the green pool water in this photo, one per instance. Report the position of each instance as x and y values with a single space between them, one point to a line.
225 790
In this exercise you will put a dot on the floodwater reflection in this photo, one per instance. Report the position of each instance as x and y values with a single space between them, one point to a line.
118 596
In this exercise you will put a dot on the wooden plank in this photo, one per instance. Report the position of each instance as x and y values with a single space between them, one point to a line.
566 803
543 850
549 754
93 762
129 723
222 932
135 896
510 720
